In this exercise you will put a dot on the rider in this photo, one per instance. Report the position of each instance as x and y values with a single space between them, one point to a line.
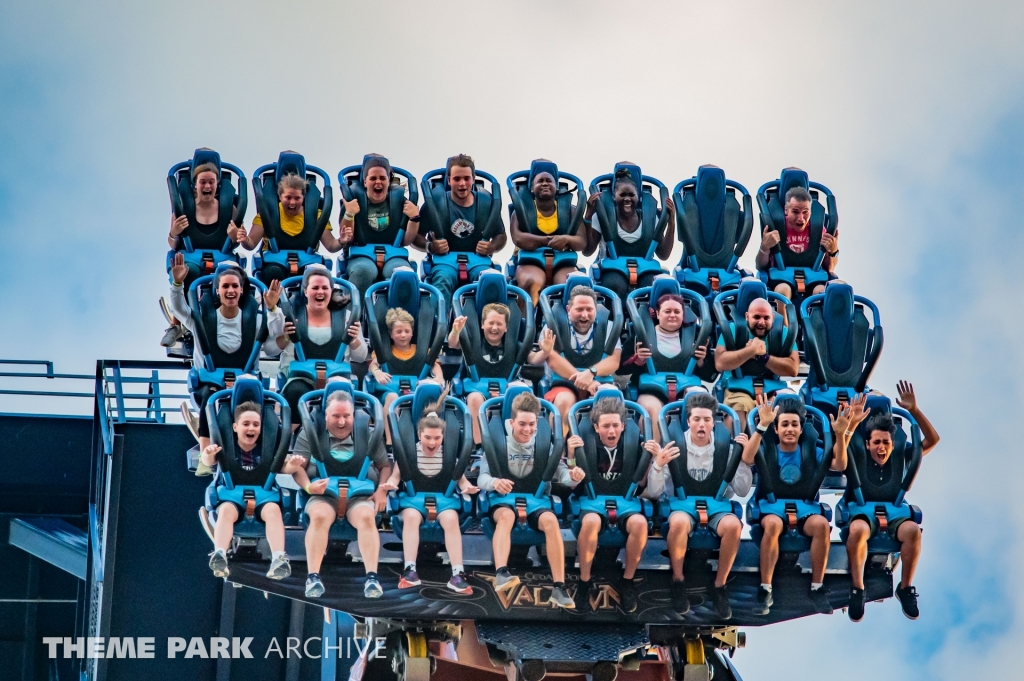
877 474
757 358
430 460
493 324
362 271
573 370
532 278
248 426
787 414
705 466
797 208
462 234
361 514
521 444
291 194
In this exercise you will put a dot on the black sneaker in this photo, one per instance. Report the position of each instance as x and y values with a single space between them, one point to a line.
856 608
764 601
459 584
582 598
908 601
409 579
720 595
314 587
627 591
680 600
822 605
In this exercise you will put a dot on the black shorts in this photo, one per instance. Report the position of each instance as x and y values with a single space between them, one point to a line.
532 519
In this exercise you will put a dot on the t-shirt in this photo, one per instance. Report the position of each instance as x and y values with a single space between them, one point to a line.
628 237
378 215
342 449
700 461
462 219
229 332
789 464
520 462
292 226
669 344
547 225
404 354
429 464
491 353
732 325
799 241
582 343
248 460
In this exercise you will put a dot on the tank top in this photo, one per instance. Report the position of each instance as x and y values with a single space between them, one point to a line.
547 225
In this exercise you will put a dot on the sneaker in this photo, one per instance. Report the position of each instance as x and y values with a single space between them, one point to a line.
822 605
582 599
503 579
219 563
627 591
459 584
280 567
680 599
560 597
856 609
171 336
314 587
908 601
409 579
371 587
191 420
720 596
764 601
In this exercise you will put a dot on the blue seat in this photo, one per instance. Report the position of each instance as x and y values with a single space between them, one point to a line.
436 215
318 363
430 312
430 495
842 346
801 271
632 261
290 255
876 501
480 375
714 230
532 494
206 246
222 368
379 246
570 216
613 500
248 490
553 301
668 377
346 479
700 499
730 309
790 501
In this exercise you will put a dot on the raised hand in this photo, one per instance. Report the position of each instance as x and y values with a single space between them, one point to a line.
907 399
858 410
766 410
770 239
841 423
348 232
209 455
547 340
273 295
458 324
662 455
351 207
179 270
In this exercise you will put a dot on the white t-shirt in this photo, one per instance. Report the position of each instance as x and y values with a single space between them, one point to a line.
668 343
321 335
700 461
628 237
582 343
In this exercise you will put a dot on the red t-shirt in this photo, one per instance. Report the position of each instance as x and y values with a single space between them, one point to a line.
797 242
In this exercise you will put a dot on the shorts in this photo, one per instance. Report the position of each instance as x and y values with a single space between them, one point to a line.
891 529
241 510
620 523
739 401
558 389
353 503
532 519
712 521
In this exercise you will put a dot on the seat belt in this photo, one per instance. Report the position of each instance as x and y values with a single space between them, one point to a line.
430 503
631 268
342 504
798 277
791 519
208 265
612 510
463 261
249 497
671 387
521 510
321 375
702 513
882 519
293 263
549 266
379 252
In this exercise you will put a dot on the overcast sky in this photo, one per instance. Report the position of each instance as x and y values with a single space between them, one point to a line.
910 112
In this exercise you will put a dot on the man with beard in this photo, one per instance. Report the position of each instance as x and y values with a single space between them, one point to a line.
759 358
574 370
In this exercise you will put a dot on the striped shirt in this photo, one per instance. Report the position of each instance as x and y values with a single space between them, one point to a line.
429 464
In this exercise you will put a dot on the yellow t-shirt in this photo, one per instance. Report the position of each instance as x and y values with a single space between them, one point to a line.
292 226
406 354
547 225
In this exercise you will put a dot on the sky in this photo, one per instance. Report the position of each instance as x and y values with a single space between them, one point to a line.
911 112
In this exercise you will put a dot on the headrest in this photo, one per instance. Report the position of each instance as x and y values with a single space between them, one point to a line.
404 291
608 392
789 178
246 390
290 162
206 156
838 303
426 392
538 167
748 291
878 404
491 288
336 386
374 161
634 174
661 286
511 393
571 282
710 195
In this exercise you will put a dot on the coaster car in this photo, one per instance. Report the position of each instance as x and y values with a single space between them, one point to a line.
287 255
713 229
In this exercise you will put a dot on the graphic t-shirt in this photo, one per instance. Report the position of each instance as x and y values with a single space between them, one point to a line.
462 220
378 216
789 464
799 241
248 460
609 464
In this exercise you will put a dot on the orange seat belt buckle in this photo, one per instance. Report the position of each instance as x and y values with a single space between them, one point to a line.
799 278
882 518
379 252
342 506
492 388
631 267
549 266
293 264
758 387
321 375
250 508
702 514
229 380
431 505
714 281
521 510
207 263
791 519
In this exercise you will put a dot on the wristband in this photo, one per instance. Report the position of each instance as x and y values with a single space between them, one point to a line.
761 428
348 216
305 488
834 253
415 219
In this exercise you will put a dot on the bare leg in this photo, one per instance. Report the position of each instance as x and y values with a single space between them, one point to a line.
273 523
636 527
817 528
548 524
772 526
411 521
586 543
531 279
363 517
729 529
473 401
653 406
783 290
857 551
561 275
909 534
321 517
679 525
820 288
501 542
564 401
224 530
452 535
